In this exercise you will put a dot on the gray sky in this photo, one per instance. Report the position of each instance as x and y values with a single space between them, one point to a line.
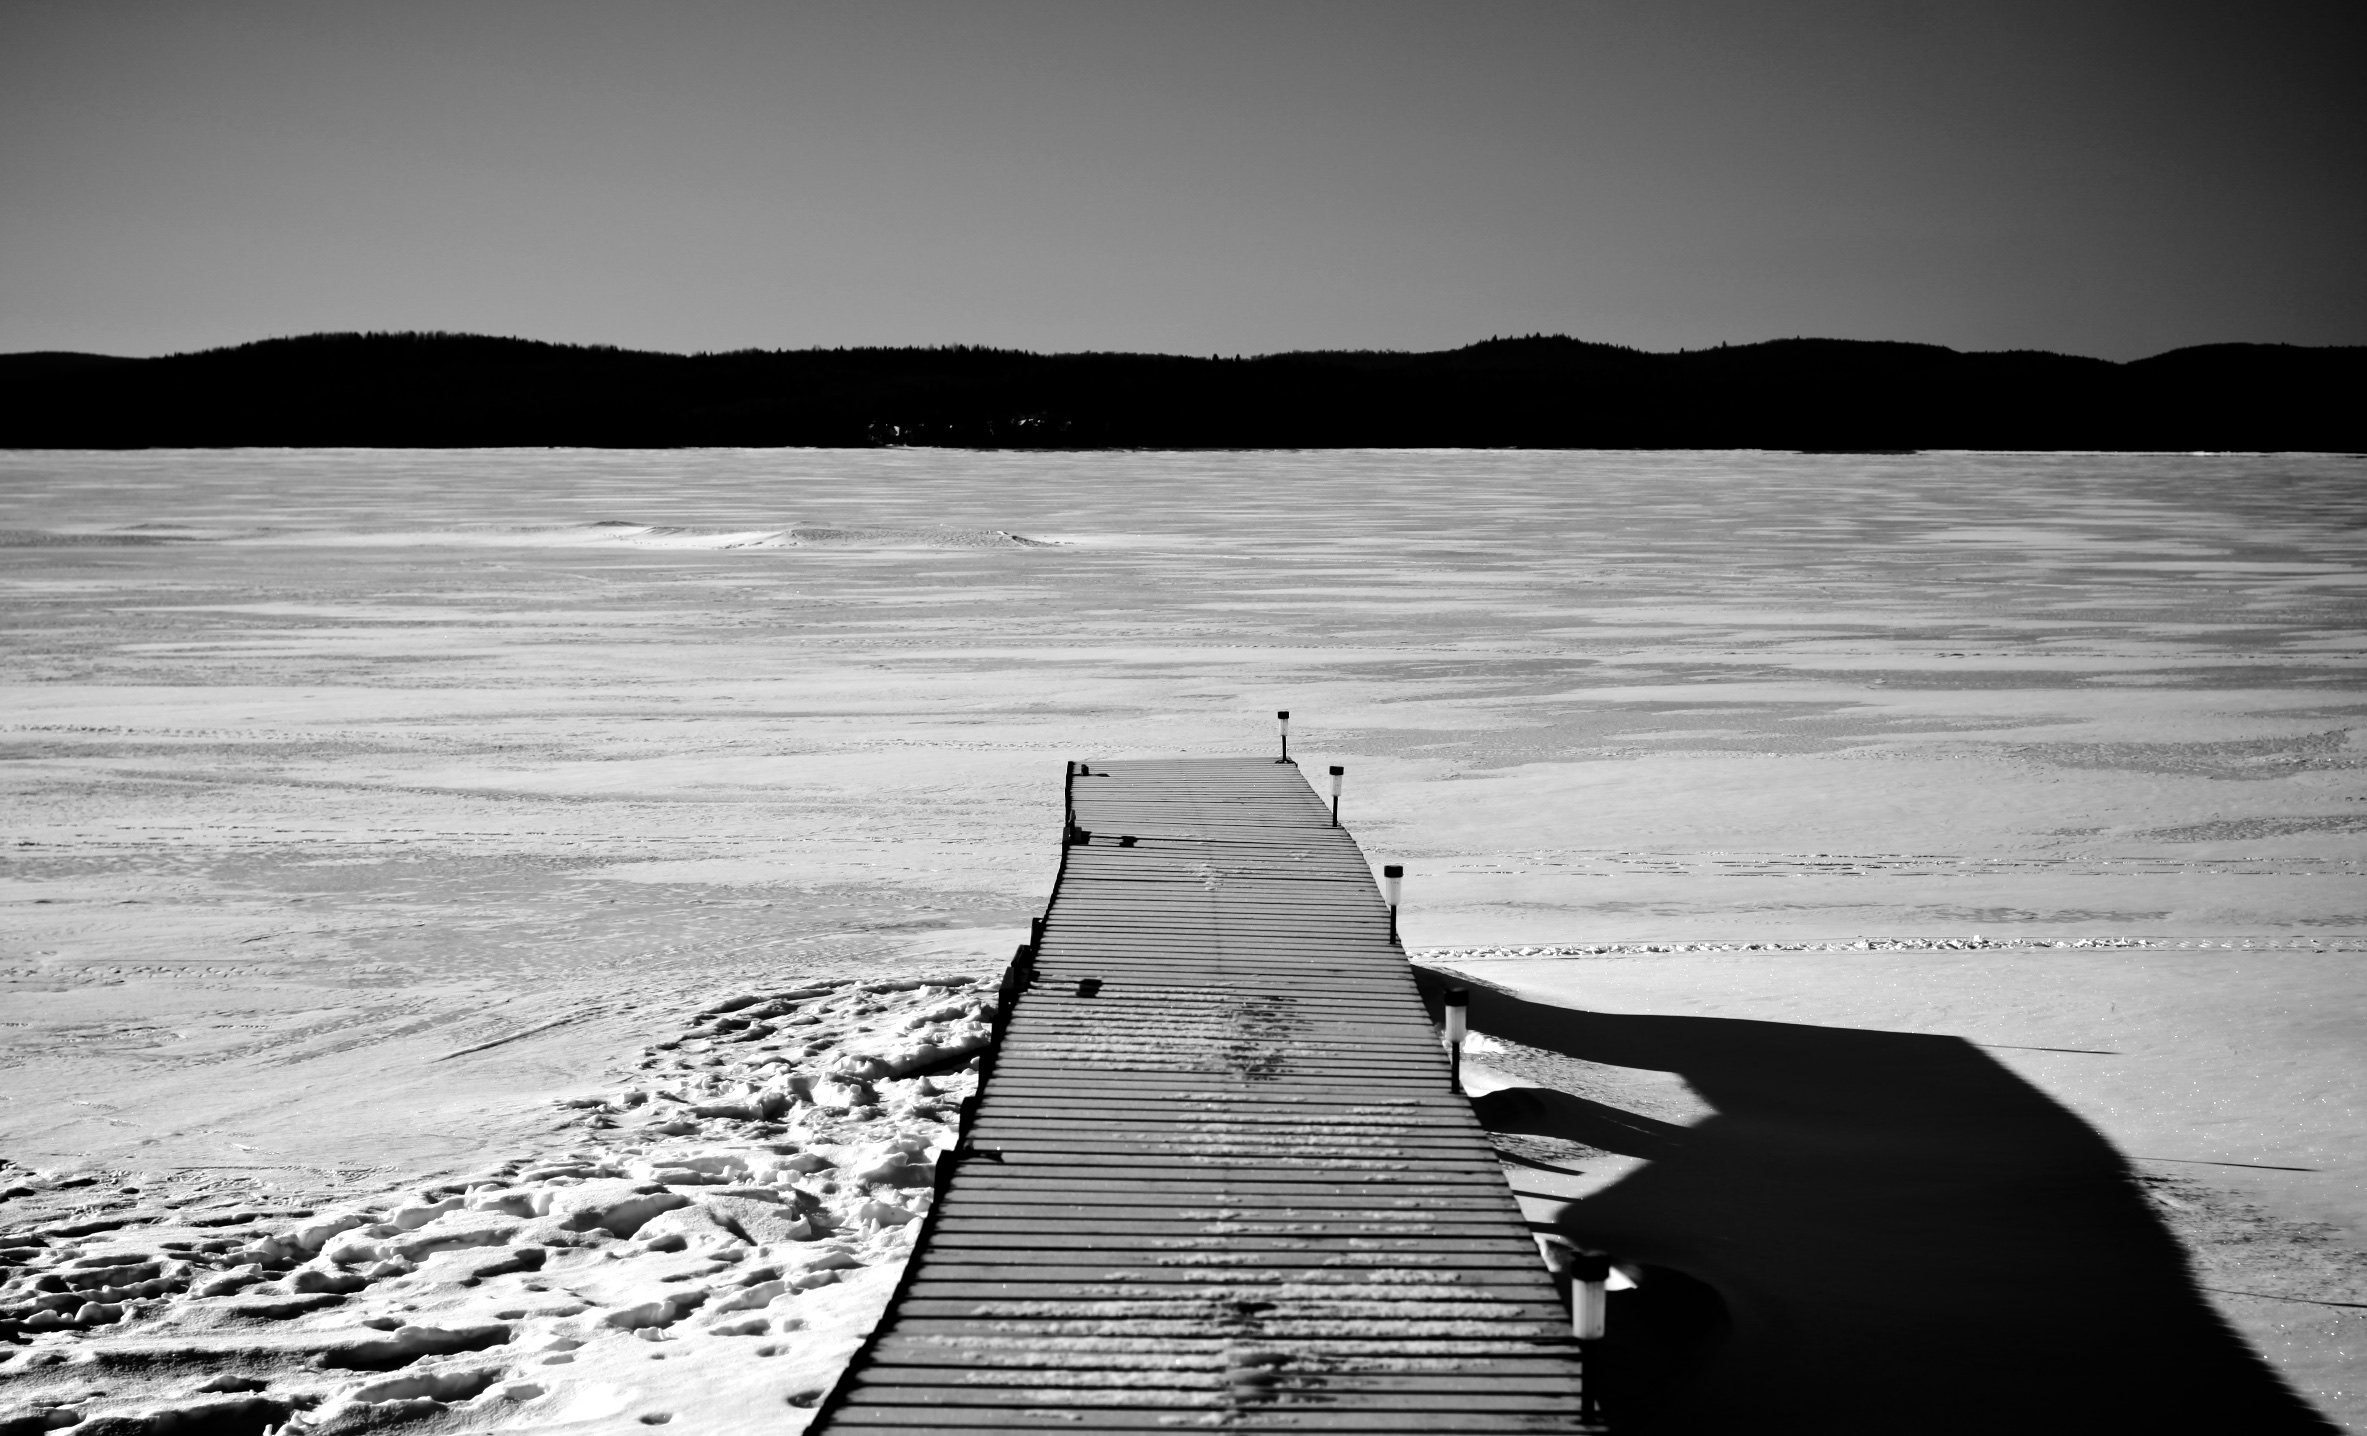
2097 178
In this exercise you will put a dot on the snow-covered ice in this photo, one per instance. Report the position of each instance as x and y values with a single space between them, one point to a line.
737 1204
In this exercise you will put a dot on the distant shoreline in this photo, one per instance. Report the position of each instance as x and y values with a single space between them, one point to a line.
434 391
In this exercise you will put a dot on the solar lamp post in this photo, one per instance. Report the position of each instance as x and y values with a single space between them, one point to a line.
1590 1279
1283 717
1458 1026
1392 883
1337 773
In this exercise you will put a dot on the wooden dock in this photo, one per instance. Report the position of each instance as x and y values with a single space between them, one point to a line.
1231 1189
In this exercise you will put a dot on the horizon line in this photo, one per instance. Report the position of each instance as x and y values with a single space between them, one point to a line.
1237 357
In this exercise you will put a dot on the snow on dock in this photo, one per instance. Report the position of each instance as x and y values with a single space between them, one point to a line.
1217 1176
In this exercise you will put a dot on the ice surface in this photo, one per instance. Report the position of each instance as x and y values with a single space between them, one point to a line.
538 1297
391 799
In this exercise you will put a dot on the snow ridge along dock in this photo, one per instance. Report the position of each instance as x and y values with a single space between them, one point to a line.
1217 1177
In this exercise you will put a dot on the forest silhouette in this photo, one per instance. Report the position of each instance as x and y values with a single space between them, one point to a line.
432 390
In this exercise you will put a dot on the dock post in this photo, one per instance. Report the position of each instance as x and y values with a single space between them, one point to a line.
1017 978
1068 805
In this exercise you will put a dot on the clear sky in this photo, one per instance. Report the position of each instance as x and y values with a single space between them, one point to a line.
2097 178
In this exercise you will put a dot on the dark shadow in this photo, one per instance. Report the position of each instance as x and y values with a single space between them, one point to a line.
1578 1119
1660 1337
1905 1238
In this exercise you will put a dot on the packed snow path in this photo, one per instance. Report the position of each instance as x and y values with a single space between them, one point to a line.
1230 1185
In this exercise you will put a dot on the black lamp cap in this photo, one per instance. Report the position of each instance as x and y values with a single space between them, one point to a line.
1282 713
1458 997
1393 870
1337 770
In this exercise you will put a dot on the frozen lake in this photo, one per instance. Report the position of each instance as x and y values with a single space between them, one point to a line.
323 762
1586 696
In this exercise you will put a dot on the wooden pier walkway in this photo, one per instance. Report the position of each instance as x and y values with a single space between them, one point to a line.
1231 1188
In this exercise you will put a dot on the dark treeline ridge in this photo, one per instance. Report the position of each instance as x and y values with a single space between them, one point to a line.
457 390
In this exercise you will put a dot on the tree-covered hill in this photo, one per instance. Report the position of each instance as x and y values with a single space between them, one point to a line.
445 390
